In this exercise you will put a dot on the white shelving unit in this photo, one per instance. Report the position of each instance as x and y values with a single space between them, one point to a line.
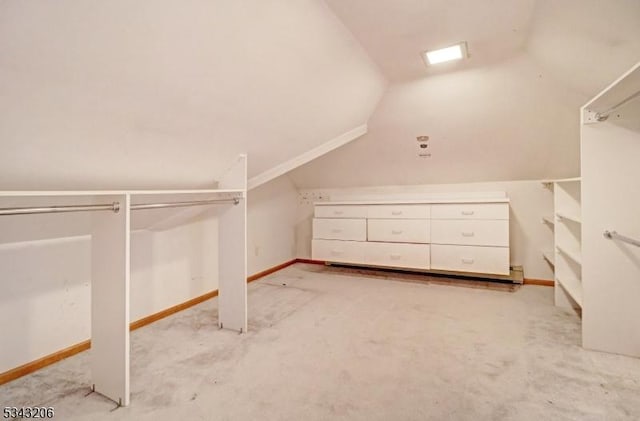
110 230
610 149
594 270
568 243
565 256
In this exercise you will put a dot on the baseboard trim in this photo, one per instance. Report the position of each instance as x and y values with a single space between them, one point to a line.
526 281
28 368
172 310
541 282
270 270
311 261
47 360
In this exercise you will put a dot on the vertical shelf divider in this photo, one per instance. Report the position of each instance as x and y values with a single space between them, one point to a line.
110 263
567 243
232 231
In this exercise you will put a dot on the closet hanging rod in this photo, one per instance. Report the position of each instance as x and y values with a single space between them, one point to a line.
114 207
603 115
233 200
612 235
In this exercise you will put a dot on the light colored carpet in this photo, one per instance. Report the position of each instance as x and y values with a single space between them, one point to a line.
327 343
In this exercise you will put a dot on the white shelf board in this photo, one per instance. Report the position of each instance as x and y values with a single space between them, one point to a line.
548 220
574 255
618 91
49 193
212 191
566 216
573 286
568 180
562 180
549 256
412 202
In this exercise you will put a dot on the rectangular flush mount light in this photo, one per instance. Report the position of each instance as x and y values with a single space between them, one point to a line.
454 52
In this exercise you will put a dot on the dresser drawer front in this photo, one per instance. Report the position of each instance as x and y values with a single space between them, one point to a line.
328 211
340 229
470 232
338 251
399 211
398 230
415 256
470 211
470 259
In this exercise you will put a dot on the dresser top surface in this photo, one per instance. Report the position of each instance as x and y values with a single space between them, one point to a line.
415 202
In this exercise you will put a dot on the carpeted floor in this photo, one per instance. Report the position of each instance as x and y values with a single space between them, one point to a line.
328 343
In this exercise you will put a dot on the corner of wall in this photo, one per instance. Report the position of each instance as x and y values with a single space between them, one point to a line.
271 216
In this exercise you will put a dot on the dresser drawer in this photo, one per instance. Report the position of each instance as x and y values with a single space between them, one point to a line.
470 259
336 211
398 230
470 232
338 251
470 211
398 255
340 229
399 211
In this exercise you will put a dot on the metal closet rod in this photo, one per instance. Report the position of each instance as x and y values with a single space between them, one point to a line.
602 116
233 200
113 207
612 235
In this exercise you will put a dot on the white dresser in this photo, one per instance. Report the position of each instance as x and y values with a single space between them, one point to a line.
470 235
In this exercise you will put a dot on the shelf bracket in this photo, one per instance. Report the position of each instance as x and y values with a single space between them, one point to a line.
590 117
593 117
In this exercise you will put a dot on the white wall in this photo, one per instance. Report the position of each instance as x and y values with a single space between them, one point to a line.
173 266
45 304
529 202
160 94
271 224
506 122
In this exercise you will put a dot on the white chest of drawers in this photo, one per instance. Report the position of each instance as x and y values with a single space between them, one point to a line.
470 236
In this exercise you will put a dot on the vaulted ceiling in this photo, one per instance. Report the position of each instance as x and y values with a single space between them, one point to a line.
163 94
394 33
580 42
509 112
160 94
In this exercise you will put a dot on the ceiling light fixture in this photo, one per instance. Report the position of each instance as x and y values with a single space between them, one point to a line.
454 52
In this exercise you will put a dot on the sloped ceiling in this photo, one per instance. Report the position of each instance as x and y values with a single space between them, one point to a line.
161 94
586 44
395 32
509 112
